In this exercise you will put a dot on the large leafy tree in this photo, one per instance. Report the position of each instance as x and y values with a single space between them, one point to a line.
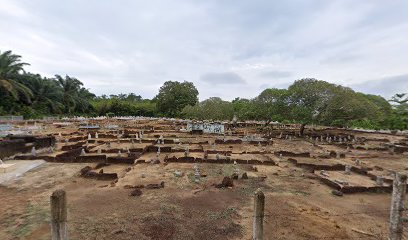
244 109
10 67
308 99
213 108
272 105
173 96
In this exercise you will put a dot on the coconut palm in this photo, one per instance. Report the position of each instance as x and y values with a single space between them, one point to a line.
10 68
74 97
47 94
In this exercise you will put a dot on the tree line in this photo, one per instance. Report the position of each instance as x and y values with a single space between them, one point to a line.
306 101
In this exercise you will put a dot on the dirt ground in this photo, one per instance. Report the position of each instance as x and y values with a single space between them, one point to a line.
297 204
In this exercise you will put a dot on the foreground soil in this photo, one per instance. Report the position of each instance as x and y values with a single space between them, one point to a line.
297 205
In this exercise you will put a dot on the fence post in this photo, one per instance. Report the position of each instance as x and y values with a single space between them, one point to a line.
399 186
259 206
59 228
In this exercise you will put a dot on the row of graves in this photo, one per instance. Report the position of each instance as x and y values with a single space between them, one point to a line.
347 160
350 161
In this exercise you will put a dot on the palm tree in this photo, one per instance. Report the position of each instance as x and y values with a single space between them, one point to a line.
74 97
70 87
46 93
10 68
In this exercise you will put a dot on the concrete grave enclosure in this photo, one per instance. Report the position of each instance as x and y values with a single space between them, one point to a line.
324 152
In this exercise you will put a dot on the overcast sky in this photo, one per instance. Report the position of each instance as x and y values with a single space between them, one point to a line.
227 48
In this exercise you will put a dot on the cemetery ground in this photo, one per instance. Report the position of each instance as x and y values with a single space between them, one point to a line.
150 179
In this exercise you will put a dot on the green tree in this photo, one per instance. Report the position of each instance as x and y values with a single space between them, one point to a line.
399 117
74 97
47 94
173 96
244 109
272 105
213 108
10 67
308 99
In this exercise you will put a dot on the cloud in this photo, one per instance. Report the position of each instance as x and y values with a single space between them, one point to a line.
386 86
262 43
230 78
340 59
275 74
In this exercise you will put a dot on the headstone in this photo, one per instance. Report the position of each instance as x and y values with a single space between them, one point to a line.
82 152
347 169
379 181
89 136
33 152
119 153
186 153
236 171
197 175
96 135
178 173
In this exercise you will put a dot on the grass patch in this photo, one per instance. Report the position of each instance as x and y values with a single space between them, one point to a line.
225 214
24 224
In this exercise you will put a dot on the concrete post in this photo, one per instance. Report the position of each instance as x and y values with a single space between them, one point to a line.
259 206
59 228
397 206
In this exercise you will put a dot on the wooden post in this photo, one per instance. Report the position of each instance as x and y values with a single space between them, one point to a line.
397 206
259 206
59 229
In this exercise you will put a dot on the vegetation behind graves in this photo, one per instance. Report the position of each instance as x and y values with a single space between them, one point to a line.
306 101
